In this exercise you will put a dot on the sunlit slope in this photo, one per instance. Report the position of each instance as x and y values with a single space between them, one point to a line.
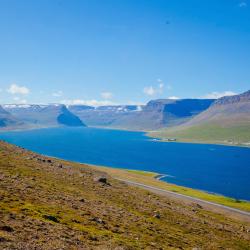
227 121
51 204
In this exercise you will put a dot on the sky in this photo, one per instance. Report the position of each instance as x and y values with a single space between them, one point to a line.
100 52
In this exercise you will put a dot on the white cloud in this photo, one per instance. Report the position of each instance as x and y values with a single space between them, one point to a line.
18 100
216 95
160 86
93 102
15 89
58 94
149 91
242 4
106 95
173 97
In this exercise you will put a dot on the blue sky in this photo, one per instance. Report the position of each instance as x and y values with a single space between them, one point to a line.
128 51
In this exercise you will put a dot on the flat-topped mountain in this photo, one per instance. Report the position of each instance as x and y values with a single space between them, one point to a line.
156 114
44 115
227 121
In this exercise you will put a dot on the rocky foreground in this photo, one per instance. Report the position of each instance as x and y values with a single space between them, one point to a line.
51 204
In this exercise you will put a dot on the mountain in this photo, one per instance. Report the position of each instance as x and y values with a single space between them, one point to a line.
156 114
7 120
104 116
44 115
226 121
226 111
51 204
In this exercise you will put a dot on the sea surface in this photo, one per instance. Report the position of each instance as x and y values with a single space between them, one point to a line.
213 168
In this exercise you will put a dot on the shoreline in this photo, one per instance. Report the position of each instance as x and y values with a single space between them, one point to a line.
153 180
154 175
146 134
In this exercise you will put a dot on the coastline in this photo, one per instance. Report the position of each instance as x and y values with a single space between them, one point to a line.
157 177
154 179
147 133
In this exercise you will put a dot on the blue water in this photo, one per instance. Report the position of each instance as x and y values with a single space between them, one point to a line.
214 168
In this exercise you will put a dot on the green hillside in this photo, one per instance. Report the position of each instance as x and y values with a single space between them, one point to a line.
52 204
208 133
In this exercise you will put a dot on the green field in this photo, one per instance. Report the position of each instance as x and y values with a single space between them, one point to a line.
148 178
235 135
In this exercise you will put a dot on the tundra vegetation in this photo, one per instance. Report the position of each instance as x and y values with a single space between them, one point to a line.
47 203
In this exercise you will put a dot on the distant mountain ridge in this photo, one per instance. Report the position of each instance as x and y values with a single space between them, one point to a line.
155 114
241 98
7 120
44 115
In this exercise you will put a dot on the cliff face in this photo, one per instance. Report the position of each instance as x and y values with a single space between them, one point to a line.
227 111
156 114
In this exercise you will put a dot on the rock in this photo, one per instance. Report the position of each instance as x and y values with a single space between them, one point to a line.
157 215
7 229
98 220
199 206
2 239
51 217
101 179
93 238
82 200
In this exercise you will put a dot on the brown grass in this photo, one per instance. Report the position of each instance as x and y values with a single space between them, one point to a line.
52 204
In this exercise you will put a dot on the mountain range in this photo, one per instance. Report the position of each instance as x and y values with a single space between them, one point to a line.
225 120
8 120
42 115
154 115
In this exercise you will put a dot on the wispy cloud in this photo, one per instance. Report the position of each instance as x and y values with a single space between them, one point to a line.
16 89
151 91
106 95
93 102
162 84
242 4
216 95
58 94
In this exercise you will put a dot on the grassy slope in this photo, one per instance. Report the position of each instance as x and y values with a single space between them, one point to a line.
147 178
208 133
50 206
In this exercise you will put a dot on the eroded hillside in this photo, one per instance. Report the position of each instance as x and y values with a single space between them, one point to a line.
51 204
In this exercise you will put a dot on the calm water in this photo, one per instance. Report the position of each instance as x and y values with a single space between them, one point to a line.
214 168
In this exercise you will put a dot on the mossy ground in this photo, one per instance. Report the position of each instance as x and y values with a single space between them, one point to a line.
51 204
